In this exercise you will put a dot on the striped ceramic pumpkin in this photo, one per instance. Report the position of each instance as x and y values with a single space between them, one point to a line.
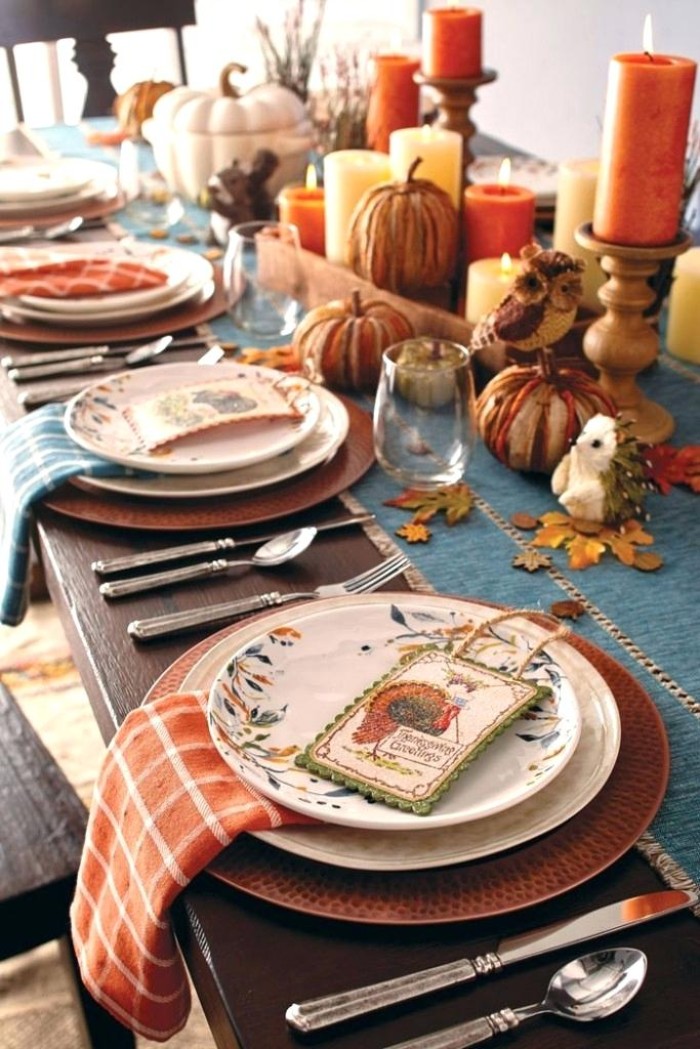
404 235
528 417
341 343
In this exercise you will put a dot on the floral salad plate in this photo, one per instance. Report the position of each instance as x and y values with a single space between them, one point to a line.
97 419
281 685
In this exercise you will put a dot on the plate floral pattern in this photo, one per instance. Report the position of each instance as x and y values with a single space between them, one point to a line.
278 689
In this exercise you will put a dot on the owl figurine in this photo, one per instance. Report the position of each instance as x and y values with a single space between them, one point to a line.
604 476
541 305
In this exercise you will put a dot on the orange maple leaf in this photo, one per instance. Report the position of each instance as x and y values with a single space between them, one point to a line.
414 532
584 551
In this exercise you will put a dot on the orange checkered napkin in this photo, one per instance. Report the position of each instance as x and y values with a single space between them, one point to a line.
165 804
53 274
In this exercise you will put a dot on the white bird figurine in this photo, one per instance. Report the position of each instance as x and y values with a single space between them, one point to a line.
603 478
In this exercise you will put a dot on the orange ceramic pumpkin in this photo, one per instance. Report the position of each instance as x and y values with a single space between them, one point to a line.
404 235
137 102
341 343
529 415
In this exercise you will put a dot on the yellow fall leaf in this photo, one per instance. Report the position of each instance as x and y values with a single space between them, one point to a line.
584 551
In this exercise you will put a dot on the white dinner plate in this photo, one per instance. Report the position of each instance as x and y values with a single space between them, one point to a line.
199 283
540 176
95 419
42 178
576 785
101 183
319 447
175 263
284 683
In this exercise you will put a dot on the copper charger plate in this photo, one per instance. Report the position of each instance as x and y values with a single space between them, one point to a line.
548 866
185 316
351 461
89 209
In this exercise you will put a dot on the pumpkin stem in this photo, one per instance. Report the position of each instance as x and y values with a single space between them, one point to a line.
411 170
227 89
355 304
546 362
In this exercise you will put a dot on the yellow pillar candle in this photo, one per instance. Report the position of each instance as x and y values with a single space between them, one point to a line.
347 173
440 151
488 281
683 333
576 191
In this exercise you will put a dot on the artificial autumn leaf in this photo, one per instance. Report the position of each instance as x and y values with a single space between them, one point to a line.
414 532
586 542
584 551
283 358
455 500
669 466
531 560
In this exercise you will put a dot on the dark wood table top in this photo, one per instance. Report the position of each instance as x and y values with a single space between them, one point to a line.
250 959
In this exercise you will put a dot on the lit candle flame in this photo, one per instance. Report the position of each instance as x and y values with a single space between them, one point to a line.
504 173
648 37
506 265
311 177
426 132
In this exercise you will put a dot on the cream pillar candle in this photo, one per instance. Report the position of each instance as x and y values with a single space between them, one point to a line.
576 191
347 173
683 332
440 151
488 281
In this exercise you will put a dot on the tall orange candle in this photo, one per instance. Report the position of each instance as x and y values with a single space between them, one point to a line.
498 218
645 135
451 42
394 98
304 207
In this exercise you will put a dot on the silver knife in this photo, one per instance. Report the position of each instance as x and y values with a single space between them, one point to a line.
172 553
317 1013
72 353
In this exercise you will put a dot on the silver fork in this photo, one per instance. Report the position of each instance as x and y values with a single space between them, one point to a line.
179 622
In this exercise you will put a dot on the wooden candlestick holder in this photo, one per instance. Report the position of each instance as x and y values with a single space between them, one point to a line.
622 343
454 97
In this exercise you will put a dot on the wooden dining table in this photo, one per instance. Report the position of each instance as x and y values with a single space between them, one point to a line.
284 929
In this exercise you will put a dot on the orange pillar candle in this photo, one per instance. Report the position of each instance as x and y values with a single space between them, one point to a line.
645 136
451 45
304 207
498 218
394 98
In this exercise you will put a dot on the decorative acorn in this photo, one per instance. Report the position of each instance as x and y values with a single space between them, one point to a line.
605 477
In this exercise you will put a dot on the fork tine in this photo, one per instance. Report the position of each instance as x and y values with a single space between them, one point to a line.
380 574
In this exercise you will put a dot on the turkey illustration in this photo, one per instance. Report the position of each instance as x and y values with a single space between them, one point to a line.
411 704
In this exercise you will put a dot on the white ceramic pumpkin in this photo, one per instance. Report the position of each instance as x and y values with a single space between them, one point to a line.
196 133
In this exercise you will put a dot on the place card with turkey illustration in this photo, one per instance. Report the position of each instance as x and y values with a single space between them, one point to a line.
408 737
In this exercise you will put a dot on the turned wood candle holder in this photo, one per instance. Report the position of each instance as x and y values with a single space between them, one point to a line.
454 97
623 342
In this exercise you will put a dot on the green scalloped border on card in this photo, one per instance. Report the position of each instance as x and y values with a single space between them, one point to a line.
429 757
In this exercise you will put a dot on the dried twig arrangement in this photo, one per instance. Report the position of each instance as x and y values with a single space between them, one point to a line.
290 63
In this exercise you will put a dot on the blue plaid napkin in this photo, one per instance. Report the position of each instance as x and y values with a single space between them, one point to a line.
36 457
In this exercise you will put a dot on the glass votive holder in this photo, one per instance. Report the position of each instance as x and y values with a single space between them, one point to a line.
263 278
424 418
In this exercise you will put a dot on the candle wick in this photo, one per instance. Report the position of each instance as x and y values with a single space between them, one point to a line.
649 55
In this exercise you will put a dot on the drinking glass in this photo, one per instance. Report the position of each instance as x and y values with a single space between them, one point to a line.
150 202
424 419
263 278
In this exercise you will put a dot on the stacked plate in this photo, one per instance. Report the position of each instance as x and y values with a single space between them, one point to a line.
190 279
272 693
221 460
37 187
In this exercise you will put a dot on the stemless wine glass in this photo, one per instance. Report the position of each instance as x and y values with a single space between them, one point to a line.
263 278
424 420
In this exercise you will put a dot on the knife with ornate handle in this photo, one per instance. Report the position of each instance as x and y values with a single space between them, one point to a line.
317 1013
207 546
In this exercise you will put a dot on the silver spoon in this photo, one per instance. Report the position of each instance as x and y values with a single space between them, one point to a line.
29 232
588 988
85 365
275 552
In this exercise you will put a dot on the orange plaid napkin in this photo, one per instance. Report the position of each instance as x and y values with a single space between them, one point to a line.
164 805
53 274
